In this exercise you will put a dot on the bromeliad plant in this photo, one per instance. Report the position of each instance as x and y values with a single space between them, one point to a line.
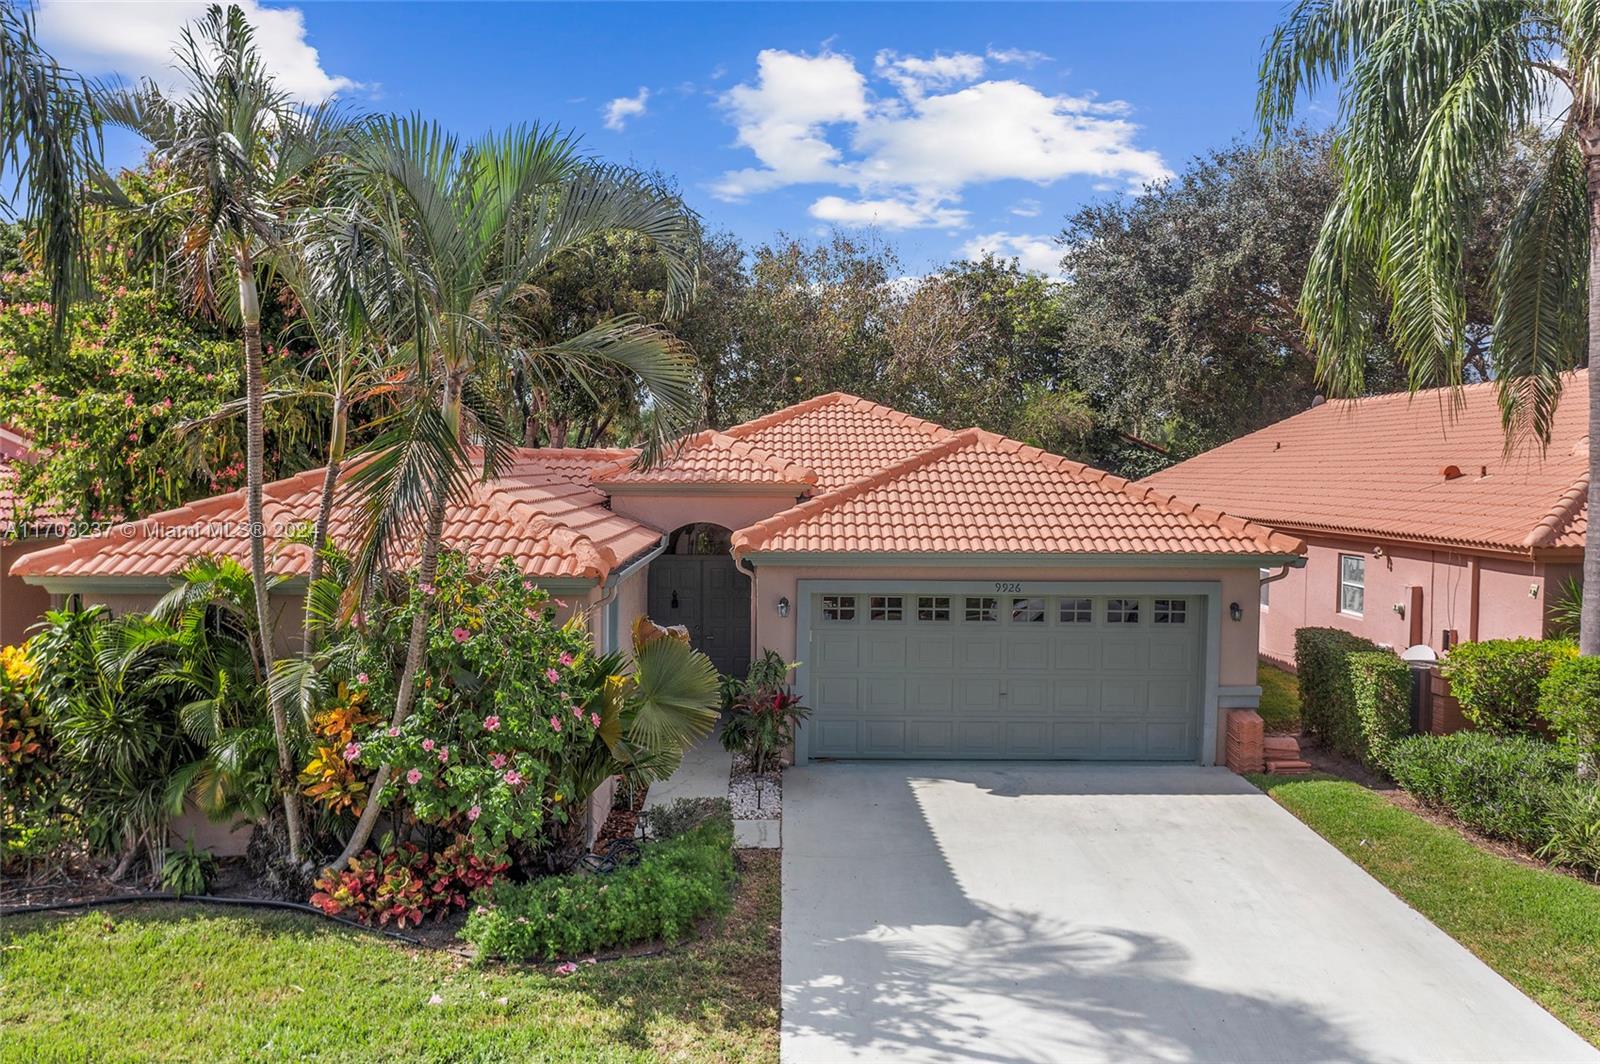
763 712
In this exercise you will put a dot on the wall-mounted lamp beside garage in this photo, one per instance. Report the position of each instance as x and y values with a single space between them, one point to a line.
783 607
1235 611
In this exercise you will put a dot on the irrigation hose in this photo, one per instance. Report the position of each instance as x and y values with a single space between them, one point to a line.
207 899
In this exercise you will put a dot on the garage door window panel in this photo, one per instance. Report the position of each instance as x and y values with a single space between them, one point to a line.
1076 611
933 608
1027 611
1170 611
1122 611
886 608
839 607
983 610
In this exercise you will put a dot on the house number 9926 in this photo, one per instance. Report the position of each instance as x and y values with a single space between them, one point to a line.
1007 587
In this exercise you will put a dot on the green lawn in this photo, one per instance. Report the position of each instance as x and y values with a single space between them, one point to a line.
170 983
1539 929
1280 698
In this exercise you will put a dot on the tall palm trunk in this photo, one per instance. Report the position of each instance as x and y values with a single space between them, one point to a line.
427 568
319 531
1589 626
255 476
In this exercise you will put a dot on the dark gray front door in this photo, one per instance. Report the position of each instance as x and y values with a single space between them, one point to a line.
710 597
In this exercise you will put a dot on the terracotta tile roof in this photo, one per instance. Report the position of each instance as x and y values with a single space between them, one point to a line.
976 492
541 512
841 437
17 447
1406 467
711 457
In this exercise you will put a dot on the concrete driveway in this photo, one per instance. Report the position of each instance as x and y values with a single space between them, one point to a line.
1028 912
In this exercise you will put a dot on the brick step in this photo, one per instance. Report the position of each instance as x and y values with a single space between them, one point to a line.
1288 768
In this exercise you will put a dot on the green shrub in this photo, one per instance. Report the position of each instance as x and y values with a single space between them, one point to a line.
1327 687
1502 786
675 883
1573 827
1497 681
1381 685
1569 701
681 815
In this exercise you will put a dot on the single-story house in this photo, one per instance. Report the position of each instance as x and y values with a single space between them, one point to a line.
1420 527
947 593
21 604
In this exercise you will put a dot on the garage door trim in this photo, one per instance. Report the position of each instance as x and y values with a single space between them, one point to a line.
1208 590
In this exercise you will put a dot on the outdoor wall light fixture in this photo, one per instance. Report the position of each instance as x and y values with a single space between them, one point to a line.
1235 611
783 607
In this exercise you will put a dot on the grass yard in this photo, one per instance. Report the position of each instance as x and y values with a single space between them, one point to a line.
1539 929
171 983
1280 698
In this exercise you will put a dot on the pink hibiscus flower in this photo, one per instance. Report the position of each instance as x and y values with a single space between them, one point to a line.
594 718
474 813
414 777
444 754
513 777
566 658
491 723
555 723
361 677
428 744
577 711
497 761
461 634
352 751
566 969
394 733
552 675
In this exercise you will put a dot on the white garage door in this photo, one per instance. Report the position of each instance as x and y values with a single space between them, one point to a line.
931 673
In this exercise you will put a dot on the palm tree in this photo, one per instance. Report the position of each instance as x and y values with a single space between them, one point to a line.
473 226
1431 96
246 153
49 144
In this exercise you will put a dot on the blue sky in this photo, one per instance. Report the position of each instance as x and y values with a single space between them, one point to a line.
948 128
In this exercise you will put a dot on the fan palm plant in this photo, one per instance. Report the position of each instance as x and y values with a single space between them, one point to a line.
1431 95
473 227
247 154
49 144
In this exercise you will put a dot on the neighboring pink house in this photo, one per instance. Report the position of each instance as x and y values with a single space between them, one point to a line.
947 593
21 604
1419 527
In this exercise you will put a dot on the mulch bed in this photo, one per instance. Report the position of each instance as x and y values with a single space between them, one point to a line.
623 822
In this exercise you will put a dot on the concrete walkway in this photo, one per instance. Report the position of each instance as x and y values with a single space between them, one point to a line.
1010 912
704 774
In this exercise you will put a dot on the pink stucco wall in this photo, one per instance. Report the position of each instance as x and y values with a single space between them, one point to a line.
685 506
1511 597
21 604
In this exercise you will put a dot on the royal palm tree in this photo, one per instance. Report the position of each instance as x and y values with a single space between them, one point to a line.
49 146
1432 94
246 155
473 227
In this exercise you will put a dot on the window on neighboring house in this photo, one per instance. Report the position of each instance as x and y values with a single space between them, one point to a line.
839 607
1352 584
1027 611
1170 611
933 608
983 609
886 608
1122 611
1076 611
1266 589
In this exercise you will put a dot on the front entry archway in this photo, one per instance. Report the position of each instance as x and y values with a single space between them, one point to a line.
695 583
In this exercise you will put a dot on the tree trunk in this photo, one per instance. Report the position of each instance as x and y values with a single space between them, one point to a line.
427 568
1589 626
255 476
319 532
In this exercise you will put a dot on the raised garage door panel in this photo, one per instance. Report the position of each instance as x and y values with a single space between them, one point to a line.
941 675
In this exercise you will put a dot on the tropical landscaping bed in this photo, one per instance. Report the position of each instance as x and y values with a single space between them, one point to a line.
180 983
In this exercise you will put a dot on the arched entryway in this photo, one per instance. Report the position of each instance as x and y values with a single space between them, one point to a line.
696 584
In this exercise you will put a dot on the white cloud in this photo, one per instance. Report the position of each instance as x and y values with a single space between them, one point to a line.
623 108
887 213
1040 254
781 118
908 152
1027 208
1024 56
914 75
136 40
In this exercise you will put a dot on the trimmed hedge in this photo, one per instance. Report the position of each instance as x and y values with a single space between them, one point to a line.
1381 693
1328 710
1497 681
1507 787
676 882
1569 701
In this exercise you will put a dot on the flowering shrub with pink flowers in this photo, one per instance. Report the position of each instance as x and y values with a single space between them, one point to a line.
507 705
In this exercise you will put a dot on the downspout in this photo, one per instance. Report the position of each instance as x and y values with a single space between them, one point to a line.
1474 573
613 582
1298 563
